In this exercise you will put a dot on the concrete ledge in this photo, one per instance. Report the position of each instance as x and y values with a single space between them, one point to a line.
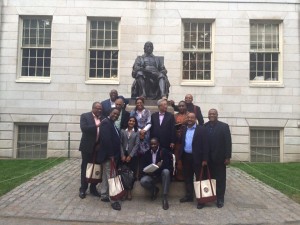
177 190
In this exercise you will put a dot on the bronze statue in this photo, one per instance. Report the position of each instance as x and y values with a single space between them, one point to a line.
151 81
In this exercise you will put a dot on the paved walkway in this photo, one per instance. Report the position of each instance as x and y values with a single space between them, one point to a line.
52 199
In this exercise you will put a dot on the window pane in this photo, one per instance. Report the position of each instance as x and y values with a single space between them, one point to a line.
103 40
36 43
32 141
265 146
196 58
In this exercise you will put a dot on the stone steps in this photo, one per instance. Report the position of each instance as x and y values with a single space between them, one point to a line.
177 190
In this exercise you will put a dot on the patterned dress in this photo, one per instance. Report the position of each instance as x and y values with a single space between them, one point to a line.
180 120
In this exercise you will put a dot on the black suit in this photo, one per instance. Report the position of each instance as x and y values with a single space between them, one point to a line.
124 119
87 143
219 149
165 132
110 144
192 162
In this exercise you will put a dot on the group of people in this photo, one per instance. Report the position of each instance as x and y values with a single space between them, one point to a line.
140 138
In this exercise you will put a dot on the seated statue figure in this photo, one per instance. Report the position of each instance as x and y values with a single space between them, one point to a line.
151 81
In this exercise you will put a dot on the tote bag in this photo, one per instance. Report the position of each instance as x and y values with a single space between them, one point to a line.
116 188
205 190
93 172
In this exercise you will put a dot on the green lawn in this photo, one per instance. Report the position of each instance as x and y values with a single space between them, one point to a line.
284 177
17 171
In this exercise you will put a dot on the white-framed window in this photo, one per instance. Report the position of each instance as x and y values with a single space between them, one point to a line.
32 141
197 53
264 145
265 52
35 48
103 49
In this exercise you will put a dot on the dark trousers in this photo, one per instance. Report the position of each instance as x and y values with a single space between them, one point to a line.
218 172
190 167
86 158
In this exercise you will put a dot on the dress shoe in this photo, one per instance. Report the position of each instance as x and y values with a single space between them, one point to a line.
220 203
105 199
154 193
186 199
165 204
200 206
82 194
116 206
95 193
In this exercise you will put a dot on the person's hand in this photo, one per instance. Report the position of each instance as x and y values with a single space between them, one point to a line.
123 158
204 163
172 145
227 162
142 135
128 158
159 163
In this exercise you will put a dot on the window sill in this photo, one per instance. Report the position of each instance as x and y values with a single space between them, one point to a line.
102 81
46 80
197 83
266 84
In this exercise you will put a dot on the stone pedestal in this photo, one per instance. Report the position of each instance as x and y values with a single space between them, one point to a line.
149 104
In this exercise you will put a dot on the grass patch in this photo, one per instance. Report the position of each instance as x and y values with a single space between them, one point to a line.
281 176
17 171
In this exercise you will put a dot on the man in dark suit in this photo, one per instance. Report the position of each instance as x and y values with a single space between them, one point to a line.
122 121
109 151
89 125
194 155
220 145
191 108
160 157
110 103
163 126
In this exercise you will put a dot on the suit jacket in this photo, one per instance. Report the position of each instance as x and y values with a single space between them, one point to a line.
199 145
219 142
133 142
109 140
89 132
124 119
165 132
147 160
106 107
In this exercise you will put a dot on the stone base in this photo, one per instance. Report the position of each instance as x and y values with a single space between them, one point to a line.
177 190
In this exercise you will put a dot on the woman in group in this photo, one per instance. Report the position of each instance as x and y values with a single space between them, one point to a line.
180 123
143 117
129 146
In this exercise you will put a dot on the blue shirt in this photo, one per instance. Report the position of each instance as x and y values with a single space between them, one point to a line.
189 139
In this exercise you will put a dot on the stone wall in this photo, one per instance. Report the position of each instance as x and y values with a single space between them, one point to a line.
69 93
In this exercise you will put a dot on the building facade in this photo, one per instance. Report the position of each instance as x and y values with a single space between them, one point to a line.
59 56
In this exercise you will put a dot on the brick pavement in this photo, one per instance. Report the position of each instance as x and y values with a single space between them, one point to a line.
52 198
